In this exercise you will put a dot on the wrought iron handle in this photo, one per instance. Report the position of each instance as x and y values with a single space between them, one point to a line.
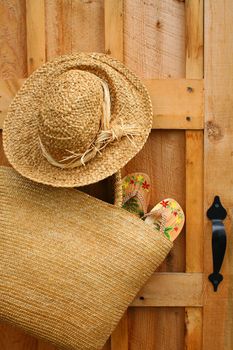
217 213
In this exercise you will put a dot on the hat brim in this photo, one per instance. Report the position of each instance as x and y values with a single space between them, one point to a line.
131 104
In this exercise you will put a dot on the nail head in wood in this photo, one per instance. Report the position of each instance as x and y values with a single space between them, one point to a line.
189 89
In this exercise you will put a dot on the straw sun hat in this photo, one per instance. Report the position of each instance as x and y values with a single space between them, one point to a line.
76 120
70 264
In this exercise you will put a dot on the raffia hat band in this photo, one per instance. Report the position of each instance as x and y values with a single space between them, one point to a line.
105 136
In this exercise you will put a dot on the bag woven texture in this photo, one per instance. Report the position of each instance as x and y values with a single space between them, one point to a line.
70 264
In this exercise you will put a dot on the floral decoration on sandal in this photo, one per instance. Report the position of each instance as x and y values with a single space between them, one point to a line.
136 193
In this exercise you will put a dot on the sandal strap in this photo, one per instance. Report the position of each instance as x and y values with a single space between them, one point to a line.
158 214
138 195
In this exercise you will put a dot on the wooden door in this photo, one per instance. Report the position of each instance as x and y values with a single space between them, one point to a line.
188 155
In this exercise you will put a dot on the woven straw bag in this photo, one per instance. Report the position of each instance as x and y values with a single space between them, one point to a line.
70 264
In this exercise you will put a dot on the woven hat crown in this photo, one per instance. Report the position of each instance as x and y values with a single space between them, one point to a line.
77 120
70 113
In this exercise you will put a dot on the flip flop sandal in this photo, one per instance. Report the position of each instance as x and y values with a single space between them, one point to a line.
136 193
167 218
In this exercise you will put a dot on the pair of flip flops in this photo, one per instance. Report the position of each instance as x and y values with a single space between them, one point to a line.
167 216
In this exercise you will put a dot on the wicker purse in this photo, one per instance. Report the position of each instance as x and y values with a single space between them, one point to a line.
70 264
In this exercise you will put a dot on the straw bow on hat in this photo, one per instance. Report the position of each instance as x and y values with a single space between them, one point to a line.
76 120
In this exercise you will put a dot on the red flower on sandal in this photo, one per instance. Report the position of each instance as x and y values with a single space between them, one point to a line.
164 203
145 185
132 182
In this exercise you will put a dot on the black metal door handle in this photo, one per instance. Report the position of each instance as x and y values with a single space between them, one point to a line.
217 213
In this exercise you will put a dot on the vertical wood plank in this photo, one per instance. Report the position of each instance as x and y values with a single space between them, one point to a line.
35 18
13 60
194 201
154 47
218 306
154 38
74 26
163 159
107 345
36 56
113 19
22 51
148 330
114 28
194 19
59 27
12 338
194 171
119 337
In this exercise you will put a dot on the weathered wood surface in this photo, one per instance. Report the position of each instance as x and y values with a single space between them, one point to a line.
218 307
171 289
154 38
120 337
194 26
35 25
113 25
113 34
155 329
74 25
8 89
177 103
13 54
155 46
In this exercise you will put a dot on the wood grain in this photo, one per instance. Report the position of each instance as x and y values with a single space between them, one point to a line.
177 103
154 38
174 105
73 26
162 159
156 329
119 337
11 338
193 328
113 33
113 10
159 290
35 19
154 48
194 201
13 59
218 307
194 25
8 89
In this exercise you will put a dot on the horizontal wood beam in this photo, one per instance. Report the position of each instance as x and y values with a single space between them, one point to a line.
177 103
172 289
